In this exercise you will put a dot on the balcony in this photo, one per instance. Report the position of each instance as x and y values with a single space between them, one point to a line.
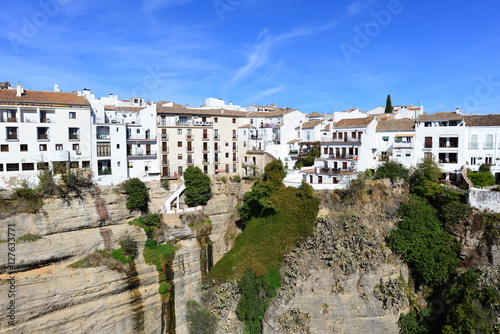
103 136
203 123
205 137
335 171
147 154
341 141
165 162
164 136
488 146
190 161
189 137
403 145
206 162
12 120
255 137
216 137
342 157
104 171
141 138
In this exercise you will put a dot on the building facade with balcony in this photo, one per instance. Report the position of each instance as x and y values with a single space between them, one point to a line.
482 135
442 136
206 138
395 141
348 150
42 129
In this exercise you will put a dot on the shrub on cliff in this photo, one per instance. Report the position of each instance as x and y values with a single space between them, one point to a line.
198 189
137 195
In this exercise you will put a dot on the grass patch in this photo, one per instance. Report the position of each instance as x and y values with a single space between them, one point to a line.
29 237
265 240
158 254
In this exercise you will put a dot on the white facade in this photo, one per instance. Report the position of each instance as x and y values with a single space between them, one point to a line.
42 129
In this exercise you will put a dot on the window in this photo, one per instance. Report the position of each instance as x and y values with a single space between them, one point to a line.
104 167
42 133
488 160
428 142
76 147
12 167
179 156
138 131
473 160
43 147
4 148
179 170
59 147
251 120
24 148
308 135
74 164
1 167
130 164
118 163
28 166
227 155
216 119
473 141
104 149
117 146
179 144
408 154
234 120
234 146
11 133
11 115
489 141
385 138
74 133
85 164
72 114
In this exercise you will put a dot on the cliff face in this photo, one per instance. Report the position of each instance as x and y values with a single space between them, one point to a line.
344 279
51 297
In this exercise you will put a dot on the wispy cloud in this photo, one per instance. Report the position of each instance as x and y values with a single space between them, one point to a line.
263 94
260 51
150 5
358 6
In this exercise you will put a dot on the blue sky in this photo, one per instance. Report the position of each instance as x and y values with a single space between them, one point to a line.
311 55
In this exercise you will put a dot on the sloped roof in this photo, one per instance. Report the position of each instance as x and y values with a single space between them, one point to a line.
327 127
352 122
314 114
482 120
396 125
270 113
311 124
445 116
42 97
293 141
247 126
176 109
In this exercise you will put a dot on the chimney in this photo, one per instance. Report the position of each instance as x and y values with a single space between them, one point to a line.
56 88
458 111
79 92
230 103
19 89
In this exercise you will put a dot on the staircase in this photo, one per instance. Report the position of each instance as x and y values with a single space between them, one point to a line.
167 208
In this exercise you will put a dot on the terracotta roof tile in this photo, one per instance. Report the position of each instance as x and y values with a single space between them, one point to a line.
482 120
311 124
351 122
314 114
445 116
176 109
396 125
42 97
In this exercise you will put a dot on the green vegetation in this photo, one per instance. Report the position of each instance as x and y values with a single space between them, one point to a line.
237 178
29 237
414 322
128 246
158 255
276 218
201 320
165 184
256 292
308 160
421 241
198 190
148 223
482 178
137 195
388 105
472 301
393 171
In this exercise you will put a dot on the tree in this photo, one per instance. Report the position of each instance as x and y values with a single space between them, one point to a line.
198 189
388 105
137 195
391 170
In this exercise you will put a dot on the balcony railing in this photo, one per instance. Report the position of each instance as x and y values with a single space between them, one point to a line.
164 136
203 123
104 171
335 171
343 156
142 154
488 146
190 161
165 162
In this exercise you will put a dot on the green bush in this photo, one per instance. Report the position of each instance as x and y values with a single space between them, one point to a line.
198 189
471 302
481 179
29 237
256 292
137 195
237 178
158 255
455 212
414 322
201 321
421 241
165 183
150 243
164 287
393 171
119 254
128 245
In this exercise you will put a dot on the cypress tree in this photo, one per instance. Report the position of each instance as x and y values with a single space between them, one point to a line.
388 105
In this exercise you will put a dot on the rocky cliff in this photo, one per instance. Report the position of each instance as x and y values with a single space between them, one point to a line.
51 297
